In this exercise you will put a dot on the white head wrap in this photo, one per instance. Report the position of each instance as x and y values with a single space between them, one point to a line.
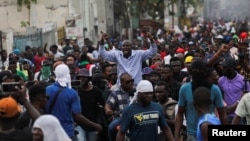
63 75
143 86
51 128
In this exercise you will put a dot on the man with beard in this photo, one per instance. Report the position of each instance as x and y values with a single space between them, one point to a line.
117 101
90 98
185 102
143 117
128 60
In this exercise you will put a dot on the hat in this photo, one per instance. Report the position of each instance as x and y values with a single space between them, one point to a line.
5 75
16 51
9 107
153 72
188 59
190 43
83 72
229 62
146 70
243 35
219 37
95 70
144 86
180 50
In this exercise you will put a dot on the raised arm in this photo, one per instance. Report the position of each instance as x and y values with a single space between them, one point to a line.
149 53
22 99
106 55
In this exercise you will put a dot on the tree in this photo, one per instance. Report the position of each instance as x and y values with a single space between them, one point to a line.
151 8
27 3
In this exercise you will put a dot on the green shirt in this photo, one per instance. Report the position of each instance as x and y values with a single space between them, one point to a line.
22 75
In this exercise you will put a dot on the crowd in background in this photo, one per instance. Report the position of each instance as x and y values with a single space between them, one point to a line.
197 75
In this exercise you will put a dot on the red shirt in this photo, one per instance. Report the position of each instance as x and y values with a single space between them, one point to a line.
38 62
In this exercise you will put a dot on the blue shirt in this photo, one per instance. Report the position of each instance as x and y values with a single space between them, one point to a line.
142 121
132 64
211 119
186 100
67 103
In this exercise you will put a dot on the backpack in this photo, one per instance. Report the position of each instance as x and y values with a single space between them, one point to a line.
169 108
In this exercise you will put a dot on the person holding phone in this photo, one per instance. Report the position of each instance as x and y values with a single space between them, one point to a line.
10 111
127 59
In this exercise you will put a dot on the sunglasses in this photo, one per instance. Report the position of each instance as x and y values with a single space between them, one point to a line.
129 81
157 59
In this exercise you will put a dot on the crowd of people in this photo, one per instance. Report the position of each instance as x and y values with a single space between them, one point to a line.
168 85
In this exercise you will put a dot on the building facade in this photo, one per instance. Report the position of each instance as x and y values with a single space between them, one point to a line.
79 19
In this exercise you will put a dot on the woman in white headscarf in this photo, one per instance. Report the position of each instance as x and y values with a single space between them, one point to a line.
48 128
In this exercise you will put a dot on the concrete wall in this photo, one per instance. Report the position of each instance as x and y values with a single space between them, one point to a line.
40 13
96 15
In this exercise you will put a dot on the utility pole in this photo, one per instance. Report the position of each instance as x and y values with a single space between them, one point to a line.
172 14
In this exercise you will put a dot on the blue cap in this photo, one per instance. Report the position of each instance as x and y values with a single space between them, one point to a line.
146 70
17 51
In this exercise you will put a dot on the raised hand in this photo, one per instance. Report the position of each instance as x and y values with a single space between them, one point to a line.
149 36
104 36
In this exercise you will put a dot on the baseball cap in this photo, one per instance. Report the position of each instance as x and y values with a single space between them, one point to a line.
17 51
9 107
144 86
180 50
188 59
146 70
83 72
190 43
229 62
153 72
219 37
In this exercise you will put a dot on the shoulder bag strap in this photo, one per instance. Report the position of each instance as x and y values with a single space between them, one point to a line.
54 100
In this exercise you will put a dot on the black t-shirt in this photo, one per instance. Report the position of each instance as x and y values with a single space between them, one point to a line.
24 121
89 103
17 135
180 76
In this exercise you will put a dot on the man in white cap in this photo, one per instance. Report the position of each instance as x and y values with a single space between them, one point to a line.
143 117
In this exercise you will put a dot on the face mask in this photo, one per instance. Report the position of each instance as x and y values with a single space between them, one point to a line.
45 72
106 45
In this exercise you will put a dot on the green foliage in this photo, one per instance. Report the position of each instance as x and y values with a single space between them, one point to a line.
27 3
25 23
154 8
